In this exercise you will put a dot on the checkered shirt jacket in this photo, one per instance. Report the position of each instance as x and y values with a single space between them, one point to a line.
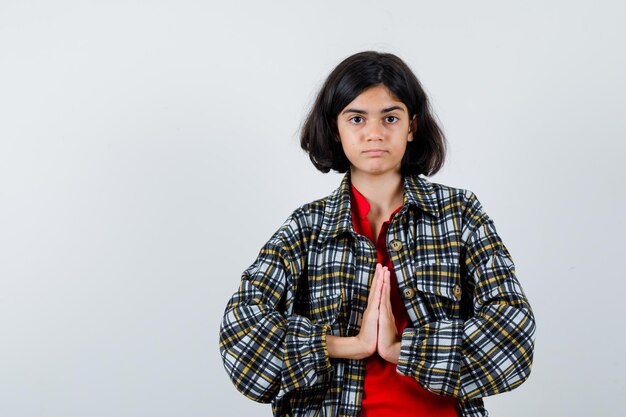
472 328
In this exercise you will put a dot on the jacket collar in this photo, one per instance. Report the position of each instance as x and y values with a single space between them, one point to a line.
418 192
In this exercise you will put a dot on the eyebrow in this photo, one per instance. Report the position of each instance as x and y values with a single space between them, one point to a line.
388 109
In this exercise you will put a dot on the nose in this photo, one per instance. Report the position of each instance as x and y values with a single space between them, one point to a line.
375 131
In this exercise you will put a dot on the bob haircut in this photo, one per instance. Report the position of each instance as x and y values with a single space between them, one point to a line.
319 137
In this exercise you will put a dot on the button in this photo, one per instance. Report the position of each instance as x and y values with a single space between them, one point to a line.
408 293
395 245
457 291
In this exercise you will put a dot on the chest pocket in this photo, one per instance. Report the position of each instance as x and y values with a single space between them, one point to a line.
439 286
322 310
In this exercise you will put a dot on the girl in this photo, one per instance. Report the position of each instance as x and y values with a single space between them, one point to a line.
393 295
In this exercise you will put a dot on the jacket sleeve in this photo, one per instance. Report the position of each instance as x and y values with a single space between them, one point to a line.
492 350
266 350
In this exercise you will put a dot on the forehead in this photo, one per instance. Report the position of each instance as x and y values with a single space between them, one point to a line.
378 96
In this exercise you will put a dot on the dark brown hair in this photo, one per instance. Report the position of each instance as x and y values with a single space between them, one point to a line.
319 137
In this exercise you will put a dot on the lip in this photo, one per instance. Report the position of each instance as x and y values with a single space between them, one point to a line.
374 152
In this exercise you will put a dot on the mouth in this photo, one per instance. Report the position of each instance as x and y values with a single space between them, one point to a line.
374 152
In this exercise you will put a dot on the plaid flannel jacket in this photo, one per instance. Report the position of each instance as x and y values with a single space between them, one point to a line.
472 332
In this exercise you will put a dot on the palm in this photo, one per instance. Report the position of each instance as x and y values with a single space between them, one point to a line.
387 332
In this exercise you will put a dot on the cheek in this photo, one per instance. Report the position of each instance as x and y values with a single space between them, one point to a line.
343 132
348 147
347 138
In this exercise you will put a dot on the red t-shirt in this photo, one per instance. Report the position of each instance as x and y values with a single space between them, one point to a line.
385 391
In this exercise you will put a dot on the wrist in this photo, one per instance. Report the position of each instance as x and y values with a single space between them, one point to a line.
364 349
351 347
392 352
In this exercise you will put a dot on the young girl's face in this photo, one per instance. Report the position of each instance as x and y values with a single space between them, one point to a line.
374 130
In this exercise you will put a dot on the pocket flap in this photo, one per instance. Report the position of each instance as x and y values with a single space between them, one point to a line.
324 308
443 279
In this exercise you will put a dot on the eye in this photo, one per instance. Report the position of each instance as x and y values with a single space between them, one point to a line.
395 119
354 120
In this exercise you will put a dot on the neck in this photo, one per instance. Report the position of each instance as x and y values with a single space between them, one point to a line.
384 192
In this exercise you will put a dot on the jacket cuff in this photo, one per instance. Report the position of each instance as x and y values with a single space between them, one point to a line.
410 343
306 360
432 355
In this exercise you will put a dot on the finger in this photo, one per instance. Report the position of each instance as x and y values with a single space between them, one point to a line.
385 304
379 292
376 284
384 294
379 287
388 307
387 288
383 273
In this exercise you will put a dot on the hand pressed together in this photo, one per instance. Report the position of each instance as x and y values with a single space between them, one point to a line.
378 331
388 345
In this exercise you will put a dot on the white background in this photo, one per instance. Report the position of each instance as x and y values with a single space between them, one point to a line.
149 149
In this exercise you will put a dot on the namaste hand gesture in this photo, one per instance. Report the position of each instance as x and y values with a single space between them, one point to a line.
378 331
388 345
